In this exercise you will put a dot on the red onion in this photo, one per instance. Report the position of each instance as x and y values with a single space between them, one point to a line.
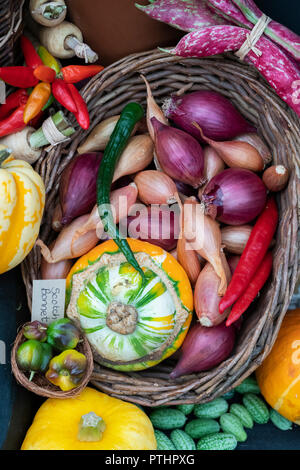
157 225
204 348
178 154
235 196
77 190
215 114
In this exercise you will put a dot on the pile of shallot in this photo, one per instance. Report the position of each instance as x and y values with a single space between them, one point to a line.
194 179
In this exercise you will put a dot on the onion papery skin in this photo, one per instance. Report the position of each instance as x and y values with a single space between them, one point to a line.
235 196
215 114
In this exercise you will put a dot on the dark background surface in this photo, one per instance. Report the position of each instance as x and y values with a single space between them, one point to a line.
17 406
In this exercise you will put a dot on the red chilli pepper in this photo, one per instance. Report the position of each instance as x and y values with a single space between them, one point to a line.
62 94
256 284
76 73
13 101
82 115
14 123
255 250
32 58
44 73
18 76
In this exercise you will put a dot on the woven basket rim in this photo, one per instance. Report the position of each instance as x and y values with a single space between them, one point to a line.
11 19
118 84
47 389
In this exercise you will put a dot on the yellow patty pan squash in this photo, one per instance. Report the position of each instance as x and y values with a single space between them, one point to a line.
90 421
22 200
130 324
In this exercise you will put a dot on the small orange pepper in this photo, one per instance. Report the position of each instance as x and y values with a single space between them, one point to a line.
44 73
36 101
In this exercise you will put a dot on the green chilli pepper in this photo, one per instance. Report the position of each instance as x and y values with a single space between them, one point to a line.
130 115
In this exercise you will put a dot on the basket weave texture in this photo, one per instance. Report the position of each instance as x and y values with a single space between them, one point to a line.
278 125
39 384
11 27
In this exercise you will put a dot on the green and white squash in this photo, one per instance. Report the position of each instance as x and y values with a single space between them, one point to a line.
129 324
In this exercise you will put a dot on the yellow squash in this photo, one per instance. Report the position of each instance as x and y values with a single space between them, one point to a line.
22 200
90 421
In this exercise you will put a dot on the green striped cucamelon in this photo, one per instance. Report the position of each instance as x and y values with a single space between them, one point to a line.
257 408
162 441
219 441
167 418
232 425
201 427
242 413
280 421
213 409
182 441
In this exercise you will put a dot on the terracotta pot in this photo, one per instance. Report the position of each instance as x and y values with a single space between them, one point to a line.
116 28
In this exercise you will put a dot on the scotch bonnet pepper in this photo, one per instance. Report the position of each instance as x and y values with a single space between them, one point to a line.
33 356
66 370
62 334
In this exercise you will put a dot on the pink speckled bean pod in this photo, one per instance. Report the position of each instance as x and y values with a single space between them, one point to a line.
245 13
282 73
188 15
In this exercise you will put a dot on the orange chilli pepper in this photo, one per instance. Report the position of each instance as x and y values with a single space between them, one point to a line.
44 73
36 101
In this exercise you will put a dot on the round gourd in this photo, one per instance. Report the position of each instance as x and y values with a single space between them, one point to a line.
76 424
279 375
22 200
129 324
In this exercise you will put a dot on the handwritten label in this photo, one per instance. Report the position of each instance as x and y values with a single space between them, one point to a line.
48 300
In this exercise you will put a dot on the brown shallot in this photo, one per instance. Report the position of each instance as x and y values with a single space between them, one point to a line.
137 155
236 154
188 259
63 247
253 139
234 238
99 137
155 187
275 177
206 297
203 234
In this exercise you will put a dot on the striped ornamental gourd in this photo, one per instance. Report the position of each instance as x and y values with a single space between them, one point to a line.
130 324
22 200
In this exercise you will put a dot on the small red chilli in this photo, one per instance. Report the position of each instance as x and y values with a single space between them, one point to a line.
276 177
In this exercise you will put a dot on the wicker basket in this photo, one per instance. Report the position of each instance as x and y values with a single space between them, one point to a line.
279 127
11 27
39 384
